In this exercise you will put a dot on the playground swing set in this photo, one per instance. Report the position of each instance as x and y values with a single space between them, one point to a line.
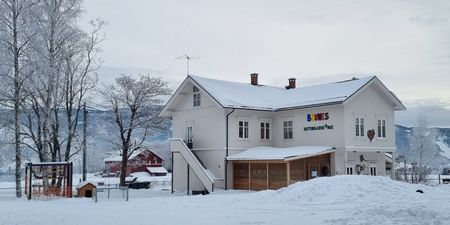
49 179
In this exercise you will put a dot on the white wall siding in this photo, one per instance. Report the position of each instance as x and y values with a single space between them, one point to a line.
214 160
371 105
329 137
179 173
208 120
254 118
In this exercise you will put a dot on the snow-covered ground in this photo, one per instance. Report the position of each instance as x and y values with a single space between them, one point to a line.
328 200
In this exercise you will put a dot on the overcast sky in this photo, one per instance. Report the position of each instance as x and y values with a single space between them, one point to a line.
405 43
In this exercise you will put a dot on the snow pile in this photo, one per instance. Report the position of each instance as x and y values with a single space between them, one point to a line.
327 200
371 200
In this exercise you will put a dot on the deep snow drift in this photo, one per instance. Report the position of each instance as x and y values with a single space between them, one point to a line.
328 200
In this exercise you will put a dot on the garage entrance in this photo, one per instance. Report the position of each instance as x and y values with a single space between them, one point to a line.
275 174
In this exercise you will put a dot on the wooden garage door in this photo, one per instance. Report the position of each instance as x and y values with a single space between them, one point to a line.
258 176
240 176
277 175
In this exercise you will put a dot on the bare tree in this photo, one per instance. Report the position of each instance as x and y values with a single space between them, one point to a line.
81 61
15 23
66 59
132 102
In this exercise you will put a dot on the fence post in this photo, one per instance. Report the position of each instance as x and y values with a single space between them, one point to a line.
95 195
127 194
439 177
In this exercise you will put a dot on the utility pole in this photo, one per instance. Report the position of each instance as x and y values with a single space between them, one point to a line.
84 140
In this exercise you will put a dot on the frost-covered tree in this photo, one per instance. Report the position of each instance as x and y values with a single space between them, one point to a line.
132 103
65 58
15 37
423 152
417 163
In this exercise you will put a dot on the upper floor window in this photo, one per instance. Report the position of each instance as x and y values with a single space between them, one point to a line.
196 94
359 127
265 131
243 129
381 129
287 129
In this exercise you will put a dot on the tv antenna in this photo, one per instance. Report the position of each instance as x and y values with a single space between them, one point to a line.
188 59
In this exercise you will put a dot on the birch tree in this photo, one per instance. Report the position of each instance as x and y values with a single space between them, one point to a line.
66 61
15 28
132 102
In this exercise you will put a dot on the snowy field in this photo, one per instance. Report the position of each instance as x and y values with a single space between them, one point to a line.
329 200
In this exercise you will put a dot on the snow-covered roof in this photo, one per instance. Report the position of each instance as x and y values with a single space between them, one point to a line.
82 184
273 153
158 169
237 95
245 95
118 158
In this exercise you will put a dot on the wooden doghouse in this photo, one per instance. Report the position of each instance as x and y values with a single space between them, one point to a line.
85 189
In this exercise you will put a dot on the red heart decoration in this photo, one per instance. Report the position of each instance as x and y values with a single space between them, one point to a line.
371 134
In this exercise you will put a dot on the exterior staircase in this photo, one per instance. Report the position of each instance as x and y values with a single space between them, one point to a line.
204 175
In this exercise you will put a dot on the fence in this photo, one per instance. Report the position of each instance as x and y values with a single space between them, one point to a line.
109 191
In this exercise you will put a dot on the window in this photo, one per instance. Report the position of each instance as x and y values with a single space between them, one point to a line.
196 92
381 129
265 131
243 129
349 170
189 134
287 130
359 127
373 170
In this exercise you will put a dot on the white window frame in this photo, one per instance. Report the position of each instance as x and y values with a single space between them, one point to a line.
349 170
265 130
189 133
373 170
288 129
196 97
245 129
381 128
359 126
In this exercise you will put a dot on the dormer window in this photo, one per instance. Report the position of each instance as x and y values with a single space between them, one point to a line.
196 94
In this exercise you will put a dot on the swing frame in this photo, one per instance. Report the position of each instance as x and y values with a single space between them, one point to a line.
49 179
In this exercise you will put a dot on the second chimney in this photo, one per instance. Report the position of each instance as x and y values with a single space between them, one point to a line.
254 79
291 83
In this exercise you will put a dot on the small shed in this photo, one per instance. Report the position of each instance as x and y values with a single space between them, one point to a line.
85 189
157 171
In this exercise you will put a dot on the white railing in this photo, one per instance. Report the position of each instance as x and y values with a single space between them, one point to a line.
207 179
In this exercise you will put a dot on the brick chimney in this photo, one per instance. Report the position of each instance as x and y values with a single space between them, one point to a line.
254 79
291 83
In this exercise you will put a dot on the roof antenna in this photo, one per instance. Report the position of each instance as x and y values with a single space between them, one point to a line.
188 59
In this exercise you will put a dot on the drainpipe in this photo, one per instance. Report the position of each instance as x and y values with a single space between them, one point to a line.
226 151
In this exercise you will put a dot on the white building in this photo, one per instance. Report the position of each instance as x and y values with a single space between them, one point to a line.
252 136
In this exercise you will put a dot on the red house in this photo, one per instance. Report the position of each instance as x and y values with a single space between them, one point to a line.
138 162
